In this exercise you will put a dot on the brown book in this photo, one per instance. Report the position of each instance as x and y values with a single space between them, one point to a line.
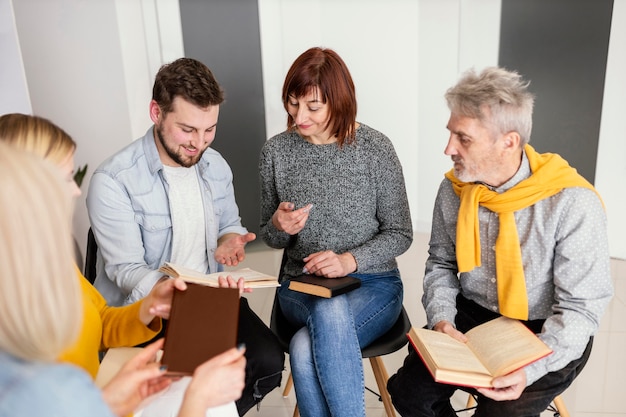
203 323
253 279
495 348
324 287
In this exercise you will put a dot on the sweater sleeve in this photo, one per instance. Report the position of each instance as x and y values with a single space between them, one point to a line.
104 327
121 325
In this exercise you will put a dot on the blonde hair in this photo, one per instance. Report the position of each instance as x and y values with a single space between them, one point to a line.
38 135
40 304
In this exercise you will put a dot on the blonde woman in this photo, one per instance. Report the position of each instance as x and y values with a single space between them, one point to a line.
216 383
39 316
101 325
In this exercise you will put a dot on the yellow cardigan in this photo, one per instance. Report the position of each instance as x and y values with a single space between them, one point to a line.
105 327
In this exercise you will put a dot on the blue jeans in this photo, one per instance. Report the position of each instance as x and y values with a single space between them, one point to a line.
325 354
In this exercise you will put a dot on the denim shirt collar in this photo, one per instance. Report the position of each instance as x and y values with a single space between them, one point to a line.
151 152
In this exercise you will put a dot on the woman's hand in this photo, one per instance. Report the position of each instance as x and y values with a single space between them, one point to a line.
218 381
288 220
330 265
138 379
158 302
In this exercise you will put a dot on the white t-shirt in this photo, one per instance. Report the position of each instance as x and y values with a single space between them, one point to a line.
189 246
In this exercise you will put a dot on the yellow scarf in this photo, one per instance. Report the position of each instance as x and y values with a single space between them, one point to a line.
550 174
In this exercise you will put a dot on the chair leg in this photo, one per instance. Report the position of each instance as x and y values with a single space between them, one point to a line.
288 386
471 401
559 404
380 373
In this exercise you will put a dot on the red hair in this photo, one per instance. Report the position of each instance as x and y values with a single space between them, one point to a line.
323 69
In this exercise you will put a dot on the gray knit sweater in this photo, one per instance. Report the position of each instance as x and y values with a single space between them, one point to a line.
358 195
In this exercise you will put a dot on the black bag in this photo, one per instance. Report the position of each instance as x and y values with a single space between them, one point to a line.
265 359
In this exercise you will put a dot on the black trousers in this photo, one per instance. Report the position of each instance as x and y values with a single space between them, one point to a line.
414 393
265 359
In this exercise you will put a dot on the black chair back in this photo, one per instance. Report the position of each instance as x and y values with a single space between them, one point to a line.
90 257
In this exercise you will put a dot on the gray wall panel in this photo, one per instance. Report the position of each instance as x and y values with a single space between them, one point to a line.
225 36
561 47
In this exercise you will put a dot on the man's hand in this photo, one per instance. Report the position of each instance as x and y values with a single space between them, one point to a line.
448 328
330 265
507 387
138 379
288 220
230 248
158 302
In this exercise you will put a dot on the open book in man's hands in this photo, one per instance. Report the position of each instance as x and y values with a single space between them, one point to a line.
252 278
495 348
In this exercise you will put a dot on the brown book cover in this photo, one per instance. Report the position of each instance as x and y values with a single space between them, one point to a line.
203 323
324 287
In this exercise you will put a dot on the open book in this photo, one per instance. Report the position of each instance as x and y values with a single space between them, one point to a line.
495 348
252 278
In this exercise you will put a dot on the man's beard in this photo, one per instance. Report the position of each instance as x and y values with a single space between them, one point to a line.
176 157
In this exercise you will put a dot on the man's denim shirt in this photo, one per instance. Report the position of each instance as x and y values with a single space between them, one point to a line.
129 212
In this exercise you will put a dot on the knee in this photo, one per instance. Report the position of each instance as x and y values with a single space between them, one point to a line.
300 348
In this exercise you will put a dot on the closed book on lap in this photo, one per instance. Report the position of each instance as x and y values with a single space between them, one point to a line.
324 287
203 323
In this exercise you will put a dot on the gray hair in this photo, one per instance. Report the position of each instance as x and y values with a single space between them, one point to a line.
496 96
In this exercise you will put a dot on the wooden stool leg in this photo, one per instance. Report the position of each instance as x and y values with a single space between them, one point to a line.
288 385
296 412
471 401
380 373
559 404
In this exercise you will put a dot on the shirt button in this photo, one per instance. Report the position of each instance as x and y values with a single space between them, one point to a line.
493 248
493 280
494 308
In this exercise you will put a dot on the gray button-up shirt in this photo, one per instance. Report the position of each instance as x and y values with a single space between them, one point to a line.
566 263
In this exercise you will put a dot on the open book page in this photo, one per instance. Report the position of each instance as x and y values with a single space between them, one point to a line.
447 352
516 345
252 278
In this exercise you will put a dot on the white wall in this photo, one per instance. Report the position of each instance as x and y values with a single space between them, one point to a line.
611 162
90 67
14 97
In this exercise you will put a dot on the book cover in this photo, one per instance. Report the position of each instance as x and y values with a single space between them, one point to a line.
203 323
253 279
324 287
495 348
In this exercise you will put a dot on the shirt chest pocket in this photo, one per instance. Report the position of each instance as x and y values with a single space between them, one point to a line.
156 234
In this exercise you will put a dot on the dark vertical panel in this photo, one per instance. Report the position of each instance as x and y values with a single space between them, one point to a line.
224 35
561 47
